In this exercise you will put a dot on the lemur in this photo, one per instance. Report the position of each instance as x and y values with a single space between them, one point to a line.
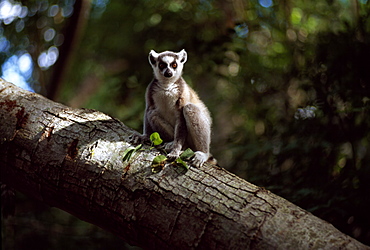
174 110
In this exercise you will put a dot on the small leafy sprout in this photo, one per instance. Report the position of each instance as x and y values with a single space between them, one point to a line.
156 139
186 155
130 151
158 163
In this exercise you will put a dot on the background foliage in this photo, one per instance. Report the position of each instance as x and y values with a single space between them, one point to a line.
287 82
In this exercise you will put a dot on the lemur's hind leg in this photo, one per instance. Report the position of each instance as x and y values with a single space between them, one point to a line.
198 124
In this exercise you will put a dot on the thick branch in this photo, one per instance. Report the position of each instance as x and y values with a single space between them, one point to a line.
72 159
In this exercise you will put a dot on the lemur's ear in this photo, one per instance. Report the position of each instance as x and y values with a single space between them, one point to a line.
183 56
153 56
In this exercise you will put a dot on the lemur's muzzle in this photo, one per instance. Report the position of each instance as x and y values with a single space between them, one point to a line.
167 73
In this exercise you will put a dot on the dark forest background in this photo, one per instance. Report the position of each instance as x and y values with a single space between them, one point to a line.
287 83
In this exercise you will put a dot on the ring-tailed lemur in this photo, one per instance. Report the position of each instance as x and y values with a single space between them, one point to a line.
174 110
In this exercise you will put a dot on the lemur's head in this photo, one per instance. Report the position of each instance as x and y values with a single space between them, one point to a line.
167 65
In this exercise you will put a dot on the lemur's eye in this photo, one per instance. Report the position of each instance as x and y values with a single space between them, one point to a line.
162 65
174 65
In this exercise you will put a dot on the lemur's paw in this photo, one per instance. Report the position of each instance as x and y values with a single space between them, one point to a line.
199 158
168 146
173 155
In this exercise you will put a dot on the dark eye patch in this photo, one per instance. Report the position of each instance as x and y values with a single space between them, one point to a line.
162 65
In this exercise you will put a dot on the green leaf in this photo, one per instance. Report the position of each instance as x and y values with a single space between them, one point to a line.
127 154
187 154
156 138
138 147
159 159
181 163
158 163
129 151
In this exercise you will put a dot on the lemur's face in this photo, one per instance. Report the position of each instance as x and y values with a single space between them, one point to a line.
168 65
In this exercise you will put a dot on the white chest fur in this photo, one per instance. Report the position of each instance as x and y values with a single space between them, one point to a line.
165 99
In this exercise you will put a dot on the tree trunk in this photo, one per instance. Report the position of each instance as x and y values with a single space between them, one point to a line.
72 159
72 33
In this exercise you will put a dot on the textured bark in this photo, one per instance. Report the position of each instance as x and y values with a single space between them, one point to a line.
72 159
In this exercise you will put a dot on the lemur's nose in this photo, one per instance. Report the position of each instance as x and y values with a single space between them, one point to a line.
168 73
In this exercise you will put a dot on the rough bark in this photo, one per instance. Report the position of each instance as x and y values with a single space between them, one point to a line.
72 159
